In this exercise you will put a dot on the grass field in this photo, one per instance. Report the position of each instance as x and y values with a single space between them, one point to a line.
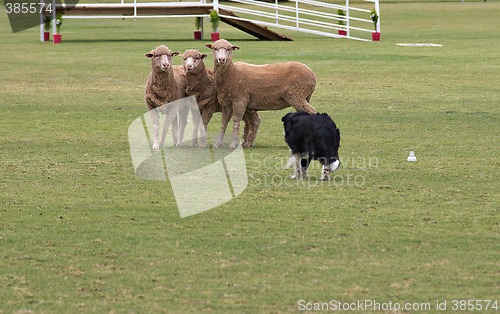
80 232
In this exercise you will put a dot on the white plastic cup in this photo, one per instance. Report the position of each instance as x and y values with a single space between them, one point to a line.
412 157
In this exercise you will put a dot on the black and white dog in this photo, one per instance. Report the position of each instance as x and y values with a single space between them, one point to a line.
312 136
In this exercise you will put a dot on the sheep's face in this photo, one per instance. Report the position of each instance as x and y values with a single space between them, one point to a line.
193 61
223 51
161 58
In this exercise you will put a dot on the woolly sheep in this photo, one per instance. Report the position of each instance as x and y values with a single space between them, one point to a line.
242 86
200 82
166 83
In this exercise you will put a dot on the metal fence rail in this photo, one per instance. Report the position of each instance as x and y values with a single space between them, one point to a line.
308 16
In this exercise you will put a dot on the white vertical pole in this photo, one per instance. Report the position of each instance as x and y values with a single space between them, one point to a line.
41 21
276 6
347 17
216 6
297 13
377 9
202 30
135 9
54 15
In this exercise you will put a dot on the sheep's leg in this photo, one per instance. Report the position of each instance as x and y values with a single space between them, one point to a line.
238 112
248 119
226 116
175 127
252 119
194 135
170 120
203 135
156 128
245 131
303 105
196 127
206 116
165 130
183 114
236 131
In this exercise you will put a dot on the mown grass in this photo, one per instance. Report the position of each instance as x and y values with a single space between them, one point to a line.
79 232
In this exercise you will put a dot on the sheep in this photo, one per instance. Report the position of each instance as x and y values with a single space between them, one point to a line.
166 83
242 86
200 82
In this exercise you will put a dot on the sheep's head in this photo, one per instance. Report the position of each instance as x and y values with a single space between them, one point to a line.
193 60
161 58
223 51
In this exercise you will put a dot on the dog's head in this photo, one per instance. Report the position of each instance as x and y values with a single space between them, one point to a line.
287 122
286 117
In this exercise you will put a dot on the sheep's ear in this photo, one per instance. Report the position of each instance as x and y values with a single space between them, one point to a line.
209 46
236 47
149 55
203 56
175 53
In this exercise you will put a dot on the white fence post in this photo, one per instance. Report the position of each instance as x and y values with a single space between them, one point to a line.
297 13
347 22
54 15
276 11
42 20
216 6
377 9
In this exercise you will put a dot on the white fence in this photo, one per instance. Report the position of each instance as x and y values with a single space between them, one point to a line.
309 16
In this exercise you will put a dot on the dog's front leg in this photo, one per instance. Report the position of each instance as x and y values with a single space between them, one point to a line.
304 165
295 160
325 173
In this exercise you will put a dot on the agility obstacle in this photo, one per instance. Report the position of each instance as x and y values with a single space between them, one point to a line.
251 16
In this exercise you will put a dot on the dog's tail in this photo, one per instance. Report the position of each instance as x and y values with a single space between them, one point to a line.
334 165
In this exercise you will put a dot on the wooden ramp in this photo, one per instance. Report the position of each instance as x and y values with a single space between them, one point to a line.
143 10
256 30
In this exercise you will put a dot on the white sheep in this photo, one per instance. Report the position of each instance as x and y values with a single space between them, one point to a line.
200 82
242 86
166 83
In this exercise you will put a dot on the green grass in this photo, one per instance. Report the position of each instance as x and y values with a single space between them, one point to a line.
79 232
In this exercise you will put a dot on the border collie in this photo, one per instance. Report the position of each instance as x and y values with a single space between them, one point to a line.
312 136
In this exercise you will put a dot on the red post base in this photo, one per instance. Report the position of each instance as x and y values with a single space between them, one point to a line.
57 38
215 36
197 35
376 36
